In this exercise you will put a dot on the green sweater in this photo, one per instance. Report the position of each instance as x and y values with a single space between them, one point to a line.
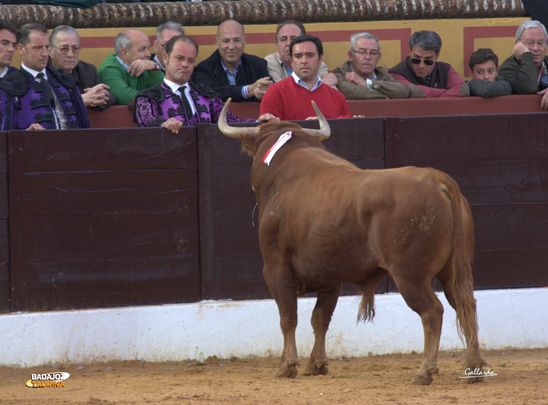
522 76
124 86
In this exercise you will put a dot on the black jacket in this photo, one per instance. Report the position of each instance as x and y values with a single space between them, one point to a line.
210 73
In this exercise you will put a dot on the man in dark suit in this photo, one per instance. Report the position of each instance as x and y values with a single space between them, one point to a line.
64 54
229 71
46 98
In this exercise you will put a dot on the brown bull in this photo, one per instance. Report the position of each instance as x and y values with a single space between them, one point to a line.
324 222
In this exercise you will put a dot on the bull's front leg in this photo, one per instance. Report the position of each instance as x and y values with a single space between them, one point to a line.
280 283
288 322
321 317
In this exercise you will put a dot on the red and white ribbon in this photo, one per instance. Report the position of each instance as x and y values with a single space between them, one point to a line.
279 143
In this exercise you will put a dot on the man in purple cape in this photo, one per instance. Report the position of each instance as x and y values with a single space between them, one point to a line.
50 98
175 102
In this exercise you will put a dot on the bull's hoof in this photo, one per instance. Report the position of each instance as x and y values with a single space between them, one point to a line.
422 380
286 372
473 380
313 369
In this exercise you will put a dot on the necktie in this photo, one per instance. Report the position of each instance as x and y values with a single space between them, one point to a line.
186 103
47 88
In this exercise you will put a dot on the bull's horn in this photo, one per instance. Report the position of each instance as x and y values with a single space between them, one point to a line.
323 133
233 132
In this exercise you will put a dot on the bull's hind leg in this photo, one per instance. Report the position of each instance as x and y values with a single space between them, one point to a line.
321 317
420 297
280 283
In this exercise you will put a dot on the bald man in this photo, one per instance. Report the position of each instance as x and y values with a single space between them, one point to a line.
130 70
229 71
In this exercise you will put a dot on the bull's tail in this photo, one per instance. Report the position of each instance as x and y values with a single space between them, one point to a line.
460 292
366 311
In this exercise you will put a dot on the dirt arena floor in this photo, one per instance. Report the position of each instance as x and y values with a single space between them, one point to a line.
522 378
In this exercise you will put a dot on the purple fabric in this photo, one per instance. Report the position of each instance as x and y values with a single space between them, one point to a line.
157 104
6 103
34 106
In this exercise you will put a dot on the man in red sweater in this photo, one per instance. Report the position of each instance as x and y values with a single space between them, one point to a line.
290 98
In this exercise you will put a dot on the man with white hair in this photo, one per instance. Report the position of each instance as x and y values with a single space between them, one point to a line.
64 54
130 70
527 68
360 78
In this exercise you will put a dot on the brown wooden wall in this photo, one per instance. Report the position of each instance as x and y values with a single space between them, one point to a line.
4 226
103 218
501 165
117 217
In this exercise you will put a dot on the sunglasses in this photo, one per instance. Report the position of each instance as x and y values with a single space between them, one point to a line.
427 62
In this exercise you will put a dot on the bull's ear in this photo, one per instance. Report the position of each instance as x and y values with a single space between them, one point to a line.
325 130
233 132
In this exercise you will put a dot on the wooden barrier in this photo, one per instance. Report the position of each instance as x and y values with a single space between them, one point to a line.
136 216
500 163
4 226
122 116
103 218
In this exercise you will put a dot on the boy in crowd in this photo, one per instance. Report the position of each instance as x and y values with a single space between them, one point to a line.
483 64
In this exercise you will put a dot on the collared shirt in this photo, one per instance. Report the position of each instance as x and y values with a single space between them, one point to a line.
231 76
124 65
303 84
58 113
4 71
175 89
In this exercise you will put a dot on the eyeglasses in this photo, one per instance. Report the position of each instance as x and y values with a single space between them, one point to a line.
427 62
365 52
66 49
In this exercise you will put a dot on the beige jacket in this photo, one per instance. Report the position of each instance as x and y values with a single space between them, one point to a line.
384 87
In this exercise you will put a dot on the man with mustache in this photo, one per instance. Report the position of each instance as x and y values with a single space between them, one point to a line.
527 68
423 70
176 102
229 71
360 78
43 97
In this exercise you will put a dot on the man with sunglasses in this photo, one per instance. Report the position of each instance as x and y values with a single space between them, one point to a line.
422 69
360 78
527 68
164 32
64 54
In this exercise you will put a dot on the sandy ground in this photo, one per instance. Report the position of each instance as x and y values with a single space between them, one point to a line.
522 378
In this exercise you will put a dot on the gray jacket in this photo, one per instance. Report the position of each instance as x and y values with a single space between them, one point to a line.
487 89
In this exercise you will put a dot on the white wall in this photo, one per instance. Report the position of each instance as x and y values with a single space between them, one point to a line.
507 318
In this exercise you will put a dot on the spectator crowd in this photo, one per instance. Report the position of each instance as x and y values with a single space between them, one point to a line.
53 88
